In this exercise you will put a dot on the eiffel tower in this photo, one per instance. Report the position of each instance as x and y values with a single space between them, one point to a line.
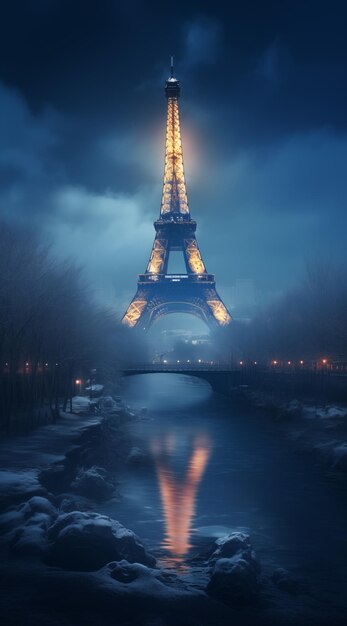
159 293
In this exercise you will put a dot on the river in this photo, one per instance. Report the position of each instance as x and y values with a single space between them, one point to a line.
211 466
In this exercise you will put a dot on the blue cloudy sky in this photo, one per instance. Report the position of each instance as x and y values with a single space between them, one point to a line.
263 113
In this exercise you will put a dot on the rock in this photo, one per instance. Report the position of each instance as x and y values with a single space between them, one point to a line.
55 478
87 541
29 526
38 504
140 581
235 569
229 545
92 483
285 581
236 543
137 457
16 486
233 581
123 571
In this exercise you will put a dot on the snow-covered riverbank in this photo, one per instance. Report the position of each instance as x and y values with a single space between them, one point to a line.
320 429
65 563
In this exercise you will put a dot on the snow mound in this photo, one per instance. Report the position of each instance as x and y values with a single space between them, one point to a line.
26 525
92 483
234 578
137 457
80 404
142 580
332 412
16 485
87 541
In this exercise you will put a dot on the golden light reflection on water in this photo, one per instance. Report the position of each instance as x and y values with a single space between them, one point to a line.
178 492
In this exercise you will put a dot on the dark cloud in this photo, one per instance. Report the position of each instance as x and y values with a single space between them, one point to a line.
264 130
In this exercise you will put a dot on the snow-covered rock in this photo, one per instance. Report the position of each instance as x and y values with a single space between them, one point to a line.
26 525
332 413
229 545
234 581
235 569
137 457
140 582
16 485
87 541
235 544
92 483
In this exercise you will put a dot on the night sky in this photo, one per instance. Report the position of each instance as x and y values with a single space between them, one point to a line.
263 115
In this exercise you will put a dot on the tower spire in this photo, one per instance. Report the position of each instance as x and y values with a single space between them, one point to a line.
174 203
172 66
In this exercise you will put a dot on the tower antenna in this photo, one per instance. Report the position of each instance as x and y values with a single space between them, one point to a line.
172 66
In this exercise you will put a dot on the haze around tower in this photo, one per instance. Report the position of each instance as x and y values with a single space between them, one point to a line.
263 125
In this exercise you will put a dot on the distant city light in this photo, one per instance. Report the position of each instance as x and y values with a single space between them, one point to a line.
165 361
255 362
324 361
241 362
199 361
178 361
289 362
274 362
188 360
78 381
301 362
27 365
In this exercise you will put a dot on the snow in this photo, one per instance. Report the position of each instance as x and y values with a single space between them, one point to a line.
80 404
14 485
87 541
92 483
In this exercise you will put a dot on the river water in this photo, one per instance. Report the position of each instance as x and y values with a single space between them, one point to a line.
211 466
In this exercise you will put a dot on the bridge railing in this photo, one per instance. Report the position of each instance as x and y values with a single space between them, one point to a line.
179 367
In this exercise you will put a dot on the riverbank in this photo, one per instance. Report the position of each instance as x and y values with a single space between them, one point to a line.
316 428
66 562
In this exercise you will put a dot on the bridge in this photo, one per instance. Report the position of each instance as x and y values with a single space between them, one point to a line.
220 377
224 379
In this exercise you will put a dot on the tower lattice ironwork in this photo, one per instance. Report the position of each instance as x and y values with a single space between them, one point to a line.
159 293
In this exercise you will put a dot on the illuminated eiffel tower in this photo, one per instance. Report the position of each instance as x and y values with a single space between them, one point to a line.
159 293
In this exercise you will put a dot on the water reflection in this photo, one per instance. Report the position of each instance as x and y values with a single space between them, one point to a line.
179 489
